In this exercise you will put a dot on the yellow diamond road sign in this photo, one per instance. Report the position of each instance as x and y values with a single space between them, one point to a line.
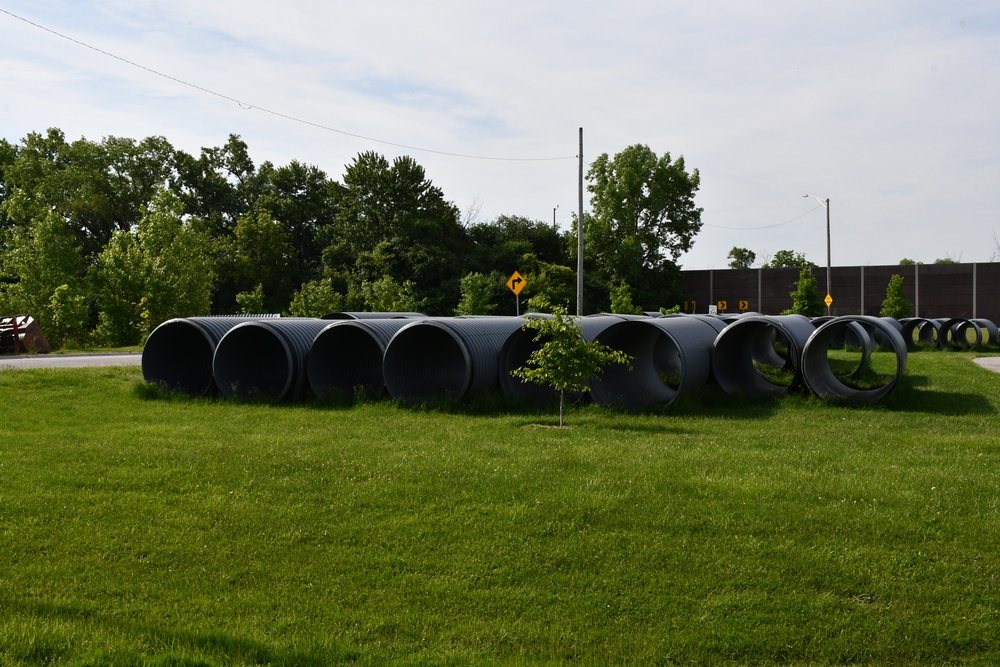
828 300
516 283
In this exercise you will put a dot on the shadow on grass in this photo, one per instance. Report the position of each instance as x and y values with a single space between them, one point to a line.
187 647
910 395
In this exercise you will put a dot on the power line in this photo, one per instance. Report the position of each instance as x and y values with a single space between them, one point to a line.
753 229
249 106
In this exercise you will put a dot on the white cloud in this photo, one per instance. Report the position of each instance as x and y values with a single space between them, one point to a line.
888 109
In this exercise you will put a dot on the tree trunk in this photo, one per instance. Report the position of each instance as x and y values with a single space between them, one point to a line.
561 409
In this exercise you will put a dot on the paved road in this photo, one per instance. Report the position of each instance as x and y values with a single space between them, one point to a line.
12 362
991 363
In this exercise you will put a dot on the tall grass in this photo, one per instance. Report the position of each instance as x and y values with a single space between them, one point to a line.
143 528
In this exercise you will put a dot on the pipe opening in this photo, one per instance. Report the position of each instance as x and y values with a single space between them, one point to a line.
345 360
252 362
426 361
178 355
853 374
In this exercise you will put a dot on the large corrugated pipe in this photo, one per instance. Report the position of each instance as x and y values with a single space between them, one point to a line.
519 346
265 360
357 315
178 353
954 334
993 333
748 344
446 357
670 355
876 335
919 331
346 356
823 381
853 337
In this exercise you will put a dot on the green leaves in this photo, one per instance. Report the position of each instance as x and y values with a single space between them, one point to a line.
565 360
161 270
643 209
805 299
896 304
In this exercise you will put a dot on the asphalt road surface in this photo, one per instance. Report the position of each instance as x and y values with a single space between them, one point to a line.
991 363
15 361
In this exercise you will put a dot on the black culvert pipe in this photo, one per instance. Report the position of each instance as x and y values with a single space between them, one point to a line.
178 353
358 315
752 339
670 355
953 334
915 332
993 333
346 356
824 382
446 357
875 333
265 360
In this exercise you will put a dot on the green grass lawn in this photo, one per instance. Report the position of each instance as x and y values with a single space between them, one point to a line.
142 529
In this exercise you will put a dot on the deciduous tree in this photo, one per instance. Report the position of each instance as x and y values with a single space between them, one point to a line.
479 293
564 359
788 259
741 258
896 304
644 214
159 271
805 298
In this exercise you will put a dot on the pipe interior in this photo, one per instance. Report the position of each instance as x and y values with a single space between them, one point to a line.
253 362
655 362
178 355
424 362
344 359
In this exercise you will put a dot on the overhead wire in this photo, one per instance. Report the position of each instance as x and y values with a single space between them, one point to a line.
248 106
753 229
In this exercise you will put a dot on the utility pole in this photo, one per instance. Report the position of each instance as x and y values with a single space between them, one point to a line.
826 205
828 292
579 239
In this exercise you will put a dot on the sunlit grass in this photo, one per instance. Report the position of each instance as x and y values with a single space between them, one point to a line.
145 528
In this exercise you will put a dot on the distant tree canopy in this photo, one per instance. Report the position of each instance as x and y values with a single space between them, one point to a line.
787 259
741 258
644 217
102 241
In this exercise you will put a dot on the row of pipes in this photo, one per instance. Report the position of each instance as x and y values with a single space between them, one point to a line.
417 358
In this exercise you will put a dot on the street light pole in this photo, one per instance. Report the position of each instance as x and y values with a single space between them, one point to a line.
826 205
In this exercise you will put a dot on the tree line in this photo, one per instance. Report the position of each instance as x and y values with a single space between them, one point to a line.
101 241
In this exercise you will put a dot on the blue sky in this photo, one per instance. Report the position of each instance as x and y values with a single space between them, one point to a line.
890 109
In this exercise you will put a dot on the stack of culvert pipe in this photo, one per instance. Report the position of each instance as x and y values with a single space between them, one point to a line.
178 353
431 358
346 356
751 340
446 357
265 359
823 381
